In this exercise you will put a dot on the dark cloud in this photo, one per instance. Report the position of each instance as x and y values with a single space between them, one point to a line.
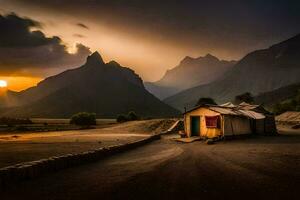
78 35
82 25
26 52
233 26
14 32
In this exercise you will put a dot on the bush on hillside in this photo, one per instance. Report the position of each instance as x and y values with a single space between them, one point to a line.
286 106
131 116
292 104
83 119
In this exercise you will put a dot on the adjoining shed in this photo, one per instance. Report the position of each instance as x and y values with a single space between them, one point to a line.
289 117
212 121
262 126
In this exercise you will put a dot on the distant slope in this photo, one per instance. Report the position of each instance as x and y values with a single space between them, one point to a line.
282 94
282 100
258 72
160 92
189 73
107 89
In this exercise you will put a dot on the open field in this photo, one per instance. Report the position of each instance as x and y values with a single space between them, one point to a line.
260 167
44 125
29 146
66 121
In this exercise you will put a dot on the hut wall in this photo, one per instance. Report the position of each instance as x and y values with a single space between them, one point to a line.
260 126
204 131
236 125
270 125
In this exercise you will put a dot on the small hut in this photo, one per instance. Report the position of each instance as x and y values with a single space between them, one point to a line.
211 121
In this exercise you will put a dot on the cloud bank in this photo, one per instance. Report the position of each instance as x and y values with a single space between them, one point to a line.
24 51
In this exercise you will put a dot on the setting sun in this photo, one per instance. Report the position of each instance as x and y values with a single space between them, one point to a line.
3 83
18 83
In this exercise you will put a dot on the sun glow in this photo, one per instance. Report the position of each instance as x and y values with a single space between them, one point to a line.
3 84
72 49
18 83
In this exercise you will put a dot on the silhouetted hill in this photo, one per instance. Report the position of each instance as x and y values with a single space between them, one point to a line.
107 89
273 97
189 73
281 100
258 72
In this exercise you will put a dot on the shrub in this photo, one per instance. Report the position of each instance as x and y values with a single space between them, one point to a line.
122 118
83 119
132 116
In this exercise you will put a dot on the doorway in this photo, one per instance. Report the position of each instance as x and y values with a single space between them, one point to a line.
195 125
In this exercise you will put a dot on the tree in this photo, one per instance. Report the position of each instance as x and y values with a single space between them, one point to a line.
83 119
206 100
245 97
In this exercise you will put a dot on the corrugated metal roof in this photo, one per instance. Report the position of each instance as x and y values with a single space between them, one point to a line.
251 114
225 111
228 105
247 106
237 111
256 108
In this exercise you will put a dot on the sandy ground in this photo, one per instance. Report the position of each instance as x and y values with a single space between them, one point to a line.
22 147
264 167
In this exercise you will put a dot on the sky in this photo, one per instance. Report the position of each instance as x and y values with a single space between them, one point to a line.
40 38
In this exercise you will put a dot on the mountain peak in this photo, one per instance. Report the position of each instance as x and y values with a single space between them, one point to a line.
186 60
210 57
114 63
94 58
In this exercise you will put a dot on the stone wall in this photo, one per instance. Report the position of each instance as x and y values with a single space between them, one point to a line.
28 170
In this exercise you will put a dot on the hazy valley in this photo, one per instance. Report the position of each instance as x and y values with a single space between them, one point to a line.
258 72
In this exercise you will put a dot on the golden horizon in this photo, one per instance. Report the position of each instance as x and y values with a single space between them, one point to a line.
18 83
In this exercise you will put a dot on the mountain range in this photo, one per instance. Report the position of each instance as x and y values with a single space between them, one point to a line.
258 72
107 89
189 73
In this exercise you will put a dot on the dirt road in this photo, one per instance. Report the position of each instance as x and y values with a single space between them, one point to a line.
255 168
